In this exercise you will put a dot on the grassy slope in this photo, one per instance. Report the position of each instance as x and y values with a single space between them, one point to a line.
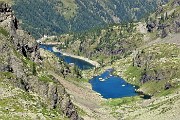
67 8
165 103
15 103
132 110
19 105
103 45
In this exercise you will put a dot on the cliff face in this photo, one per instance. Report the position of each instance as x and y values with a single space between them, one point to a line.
159 62
21 40
20 56
160 66
166 20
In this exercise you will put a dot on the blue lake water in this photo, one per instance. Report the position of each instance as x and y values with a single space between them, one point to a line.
107 85
80 63
112 86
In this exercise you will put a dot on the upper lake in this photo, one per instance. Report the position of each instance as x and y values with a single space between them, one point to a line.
83 65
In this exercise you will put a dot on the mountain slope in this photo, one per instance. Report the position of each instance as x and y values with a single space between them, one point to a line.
27 90
41 17
149 57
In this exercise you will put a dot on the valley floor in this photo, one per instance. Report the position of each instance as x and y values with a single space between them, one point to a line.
162 108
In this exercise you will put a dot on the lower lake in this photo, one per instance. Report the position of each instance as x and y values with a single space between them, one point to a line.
110 86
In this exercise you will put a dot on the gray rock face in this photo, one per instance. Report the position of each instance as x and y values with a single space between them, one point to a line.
166 21
54 95
158 62
18 47
176 3
21 40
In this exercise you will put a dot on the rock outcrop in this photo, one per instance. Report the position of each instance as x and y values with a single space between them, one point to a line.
19 55
166 20
158 62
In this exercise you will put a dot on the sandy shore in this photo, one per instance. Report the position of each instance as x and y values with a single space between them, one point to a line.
53 43
78 57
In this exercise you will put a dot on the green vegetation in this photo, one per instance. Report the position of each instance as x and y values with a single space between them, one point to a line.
41 17
67 8
6 75
34 72
80 111
30 65
19 105
45 78
121 101
7 1
77 71
155 66
4 32
105 45
133 75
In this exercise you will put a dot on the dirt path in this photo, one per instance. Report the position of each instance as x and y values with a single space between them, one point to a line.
83 96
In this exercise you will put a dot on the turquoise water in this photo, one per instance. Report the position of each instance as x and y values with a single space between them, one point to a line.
110 86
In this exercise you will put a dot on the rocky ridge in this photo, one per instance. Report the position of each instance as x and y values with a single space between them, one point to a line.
20 56
165 20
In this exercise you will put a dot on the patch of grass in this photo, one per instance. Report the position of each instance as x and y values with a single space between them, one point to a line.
12 117
81 111
10 103
45 78
67 8
133 75
153 87
28 62
7 75
4 32
121 101
168 92
156 88
154 106
7 1
27 96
